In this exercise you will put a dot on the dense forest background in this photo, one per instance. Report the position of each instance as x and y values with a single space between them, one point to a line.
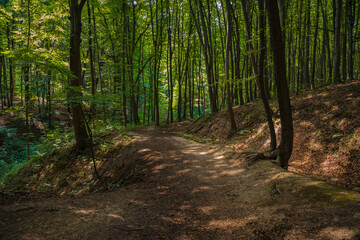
179 119
143 62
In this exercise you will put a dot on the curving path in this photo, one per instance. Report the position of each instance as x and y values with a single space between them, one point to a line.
191 191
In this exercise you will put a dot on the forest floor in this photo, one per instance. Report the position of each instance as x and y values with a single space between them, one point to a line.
188 190
326 132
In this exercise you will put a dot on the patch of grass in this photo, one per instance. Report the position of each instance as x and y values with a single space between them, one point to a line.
325 194
18 177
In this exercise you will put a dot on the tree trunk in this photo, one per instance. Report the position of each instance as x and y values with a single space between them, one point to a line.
92 69
337 52
11 69
278 48
170 53
351 19
204 34
307 51
315 44
227 67
259 76
1 87
81 135
299 50
261 82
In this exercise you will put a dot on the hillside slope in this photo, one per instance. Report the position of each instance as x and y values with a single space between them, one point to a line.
326 132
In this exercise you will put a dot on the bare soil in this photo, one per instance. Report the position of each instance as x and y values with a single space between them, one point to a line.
188 190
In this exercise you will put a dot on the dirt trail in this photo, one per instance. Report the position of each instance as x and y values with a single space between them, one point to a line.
191 191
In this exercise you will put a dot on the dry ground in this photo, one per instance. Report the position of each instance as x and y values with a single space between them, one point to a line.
192 191
326 132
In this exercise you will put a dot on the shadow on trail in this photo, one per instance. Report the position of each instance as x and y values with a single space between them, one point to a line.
190 191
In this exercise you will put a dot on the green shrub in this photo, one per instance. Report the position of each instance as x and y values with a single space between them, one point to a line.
13 150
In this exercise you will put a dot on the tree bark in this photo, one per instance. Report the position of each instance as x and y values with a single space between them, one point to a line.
78 118
11 67
351 20
261 82
278 48
92 69
204 34
259 76
1 87
337 51
315 44
227 67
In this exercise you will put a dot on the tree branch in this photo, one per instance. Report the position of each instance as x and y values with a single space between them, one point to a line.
137 40
142 69
81 4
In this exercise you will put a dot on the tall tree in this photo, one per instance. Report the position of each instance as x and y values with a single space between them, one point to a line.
204 32
278 49
78 117
337 50
229 27
91 57
259 76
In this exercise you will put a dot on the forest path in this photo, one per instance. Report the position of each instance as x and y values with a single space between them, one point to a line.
189 191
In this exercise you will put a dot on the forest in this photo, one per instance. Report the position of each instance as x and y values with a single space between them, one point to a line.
204 104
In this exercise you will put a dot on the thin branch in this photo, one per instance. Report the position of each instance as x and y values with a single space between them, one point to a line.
139 37
142 69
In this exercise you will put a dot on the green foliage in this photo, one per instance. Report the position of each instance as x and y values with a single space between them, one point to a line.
13 150
57 138
337 135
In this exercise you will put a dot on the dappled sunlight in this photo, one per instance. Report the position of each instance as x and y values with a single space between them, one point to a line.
232 172
142 139
202 188
315 145
116 216
193 191
230 223
328 165
220 165
185 207
162 166
183 171
203 153
137 202
206 209
338 233
306 124
84 211
212 177
144 150
173 220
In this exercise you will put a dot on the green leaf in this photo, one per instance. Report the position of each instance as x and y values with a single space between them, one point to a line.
337 135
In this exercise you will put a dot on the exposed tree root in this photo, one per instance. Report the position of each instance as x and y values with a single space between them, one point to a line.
252 157
208 129
196 129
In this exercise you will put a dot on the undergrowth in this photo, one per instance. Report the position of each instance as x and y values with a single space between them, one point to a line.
55 157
